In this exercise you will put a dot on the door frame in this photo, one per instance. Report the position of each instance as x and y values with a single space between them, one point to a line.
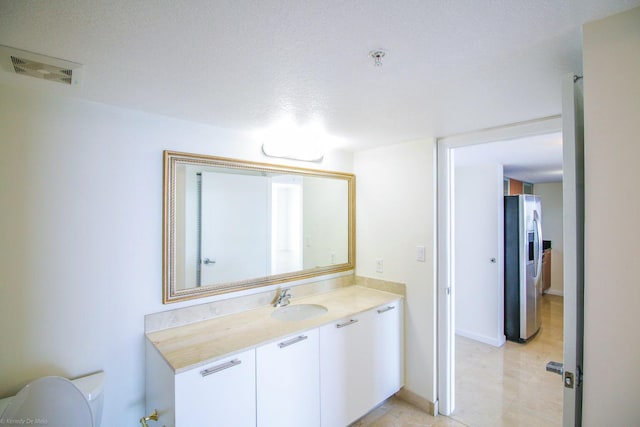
573 237
446 237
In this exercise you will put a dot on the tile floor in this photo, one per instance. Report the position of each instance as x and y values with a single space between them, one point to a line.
506 386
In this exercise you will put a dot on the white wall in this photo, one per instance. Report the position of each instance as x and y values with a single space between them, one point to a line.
551 199
395 213
612 209
479 236
80 228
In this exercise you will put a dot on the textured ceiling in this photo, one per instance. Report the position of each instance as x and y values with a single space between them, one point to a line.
451 65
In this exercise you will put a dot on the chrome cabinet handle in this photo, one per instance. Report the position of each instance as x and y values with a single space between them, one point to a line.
350 322
221 367
387 308
295 340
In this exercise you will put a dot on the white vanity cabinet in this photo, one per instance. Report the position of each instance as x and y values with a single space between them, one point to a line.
326 372
218 394
288 382
360 363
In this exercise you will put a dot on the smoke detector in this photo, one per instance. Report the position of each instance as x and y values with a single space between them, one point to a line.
377 56
40 66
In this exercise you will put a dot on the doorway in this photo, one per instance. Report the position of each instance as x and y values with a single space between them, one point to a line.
446 247
498 382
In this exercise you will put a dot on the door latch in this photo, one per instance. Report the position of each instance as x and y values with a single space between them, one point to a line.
568 379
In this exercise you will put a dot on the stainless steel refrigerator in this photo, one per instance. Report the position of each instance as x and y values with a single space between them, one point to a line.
522 266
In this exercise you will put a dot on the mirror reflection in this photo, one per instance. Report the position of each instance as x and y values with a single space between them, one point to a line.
231 225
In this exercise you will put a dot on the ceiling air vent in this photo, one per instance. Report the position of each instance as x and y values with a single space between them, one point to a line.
40 66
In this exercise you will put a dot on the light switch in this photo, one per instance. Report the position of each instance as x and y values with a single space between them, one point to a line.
420 253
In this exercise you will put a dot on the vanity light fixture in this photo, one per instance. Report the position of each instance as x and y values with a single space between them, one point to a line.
289 140
293 150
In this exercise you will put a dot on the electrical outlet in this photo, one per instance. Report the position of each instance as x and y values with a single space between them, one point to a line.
379 266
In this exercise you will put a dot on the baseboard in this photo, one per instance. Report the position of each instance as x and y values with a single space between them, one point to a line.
554 292
496 342
418 401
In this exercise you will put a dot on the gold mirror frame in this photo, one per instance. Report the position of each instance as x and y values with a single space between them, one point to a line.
171 160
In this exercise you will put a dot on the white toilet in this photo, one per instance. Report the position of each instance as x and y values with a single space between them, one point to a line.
56 402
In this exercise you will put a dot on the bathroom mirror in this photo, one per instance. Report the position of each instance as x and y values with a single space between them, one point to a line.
230 225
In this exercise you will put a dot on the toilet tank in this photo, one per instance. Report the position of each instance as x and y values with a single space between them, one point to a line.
92 386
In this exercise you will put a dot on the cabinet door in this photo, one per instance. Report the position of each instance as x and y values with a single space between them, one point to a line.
387 352
220 394
288 382
346 370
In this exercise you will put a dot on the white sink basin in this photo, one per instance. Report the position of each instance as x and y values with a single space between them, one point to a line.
296 312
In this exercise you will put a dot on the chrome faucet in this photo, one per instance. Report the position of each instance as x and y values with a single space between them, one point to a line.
283 298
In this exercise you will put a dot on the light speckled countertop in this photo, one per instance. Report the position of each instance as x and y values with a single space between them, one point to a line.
197 344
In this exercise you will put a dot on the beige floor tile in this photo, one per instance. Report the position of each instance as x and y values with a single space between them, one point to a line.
516 416
398 413
372 416
509 386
